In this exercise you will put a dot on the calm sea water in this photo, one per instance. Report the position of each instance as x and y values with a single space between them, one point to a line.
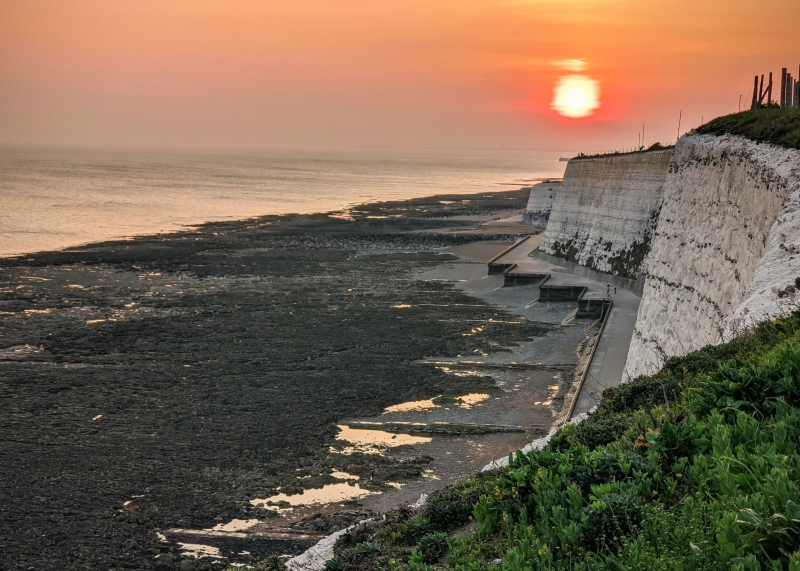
51 199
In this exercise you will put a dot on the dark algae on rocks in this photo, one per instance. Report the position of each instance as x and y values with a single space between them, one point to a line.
164 382
695 467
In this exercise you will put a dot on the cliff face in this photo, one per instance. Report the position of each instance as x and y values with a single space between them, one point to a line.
606 210
726 250
542 197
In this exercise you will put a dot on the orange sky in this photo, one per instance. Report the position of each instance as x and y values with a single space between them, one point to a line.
346 74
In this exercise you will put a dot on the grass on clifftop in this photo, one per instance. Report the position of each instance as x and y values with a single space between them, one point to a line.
695 467
777 126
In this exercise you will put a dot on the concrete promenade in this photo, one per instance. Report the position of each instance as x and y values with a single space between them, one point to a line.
609 358
608 362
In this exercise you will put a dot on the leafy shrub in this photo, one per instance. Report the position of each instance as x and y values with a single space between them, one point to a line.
706 359
756 386
610 519
445 514
445 511
433 547
589 471
363 557
595 431
643 392
335 564
681 439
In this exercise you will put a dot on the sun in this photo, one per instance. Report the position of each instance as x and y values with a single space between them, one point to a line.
576 96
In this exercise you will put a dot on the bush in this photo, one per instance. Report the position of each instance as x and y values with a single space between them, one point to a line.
445 511
605 467
433 547
704 360
610 520
643 392
335 564
363 557
595 431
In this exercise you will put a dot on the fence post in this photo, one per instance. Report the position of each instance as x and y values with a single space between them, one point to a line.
797 94
769 89
783 89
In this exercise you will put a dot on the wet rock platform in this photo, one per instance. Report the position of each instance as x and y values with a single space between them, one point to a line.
172 381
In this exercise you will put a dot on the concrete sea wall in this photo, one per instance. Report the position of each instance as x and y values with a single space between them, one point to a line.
726 250
605 212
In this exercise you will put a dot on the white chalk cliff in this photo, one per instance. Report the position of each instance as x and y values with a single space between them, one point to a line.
540 202
606 210
726 250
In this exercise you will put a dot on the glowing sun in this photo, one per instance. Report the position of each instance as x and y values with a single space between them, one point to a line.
576 96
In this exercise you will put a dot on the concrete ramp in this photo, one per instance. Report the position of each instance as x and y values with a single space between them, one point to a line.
599 296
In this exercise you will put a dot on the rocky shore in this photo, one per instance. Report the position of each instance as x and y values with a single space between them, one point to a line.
165 382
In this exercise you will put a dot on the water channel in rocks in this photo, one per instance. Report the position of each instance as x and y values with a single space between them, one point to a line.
210 397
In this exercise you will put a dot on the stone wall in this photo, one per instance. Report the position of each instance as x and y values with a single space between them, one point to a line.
726 251
606 210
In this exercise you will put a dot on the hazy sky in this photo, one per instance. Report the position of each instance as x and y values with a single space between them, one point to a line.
344 74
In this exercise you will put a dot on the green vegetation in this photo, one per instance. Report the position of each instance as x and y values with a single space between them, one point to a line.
695 467
770 125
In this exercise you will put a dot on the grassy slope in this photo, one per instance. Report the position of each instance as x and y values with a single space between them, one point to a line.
777 126
696 467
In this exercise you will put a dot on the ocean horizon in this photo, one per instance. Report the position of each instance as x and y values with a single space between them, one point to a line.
59 198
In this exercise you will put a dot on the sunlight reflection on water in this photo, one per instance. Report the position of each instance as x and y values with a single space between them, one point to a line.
65 197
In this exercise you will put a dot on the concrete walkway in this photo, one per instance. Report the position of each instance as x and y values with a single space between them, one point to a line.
608 361
609 358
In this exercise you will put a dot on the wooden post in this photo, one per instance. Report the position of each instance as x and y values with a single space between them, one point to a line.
769 89
761 92
782 98
754 104
787 99
797 90
797 95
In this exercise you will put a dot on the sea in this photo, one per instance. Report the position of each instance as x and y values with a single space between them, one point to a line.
58 198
